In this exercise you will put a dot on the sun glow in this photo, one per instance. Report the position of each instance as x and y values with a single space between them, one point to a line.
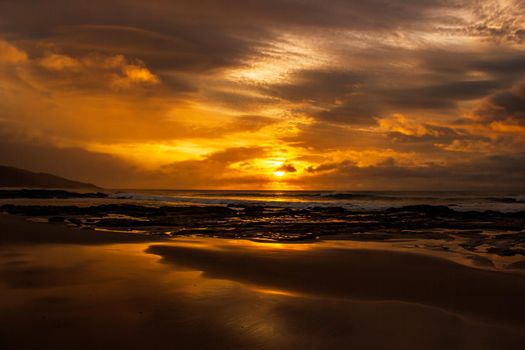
279 173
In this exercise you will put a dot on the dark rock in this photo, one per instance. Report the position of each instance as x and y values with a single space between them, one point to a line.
333 210
502 251
253 210
198 210
517 265
75 221
276 223
122 223
56 219
517 215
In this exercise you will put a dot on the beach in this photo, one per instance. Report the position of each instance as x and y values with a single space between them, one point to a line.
262 174
63 288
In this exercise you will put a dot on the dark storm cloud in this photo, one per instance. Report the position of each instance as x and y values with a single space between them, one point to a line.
355 99
333 13
495 172
441 81
159 33
354 111
502 65
337 92
188 48
507 105
316 86
196 36
379 14
441 96
502 62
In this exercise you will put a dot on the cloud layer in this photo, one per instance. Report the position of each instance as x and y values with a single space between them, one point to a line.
278 94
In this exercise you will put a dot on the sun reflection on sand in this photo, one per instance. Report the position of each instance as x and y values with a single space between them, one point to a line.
276 292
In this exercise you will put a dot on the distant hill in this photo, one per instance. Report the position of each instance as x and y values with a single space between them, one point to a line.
14 177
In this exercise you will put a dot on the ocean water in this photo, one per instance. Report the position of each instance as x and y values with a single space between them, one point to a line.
354 200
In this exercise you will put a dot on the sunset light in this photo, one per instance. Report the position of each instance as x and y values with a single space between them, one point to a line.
262 174
340 103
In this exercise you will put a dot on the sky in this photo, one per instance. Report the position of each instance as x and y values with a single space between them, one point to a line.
273 94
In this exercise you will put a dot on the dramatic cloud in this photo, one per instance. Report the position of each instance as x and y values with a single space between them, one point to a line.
506 105
265 94
503 172
11 54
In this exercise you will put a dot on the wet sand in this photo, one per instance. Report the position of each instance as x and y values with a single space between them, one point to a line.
78 289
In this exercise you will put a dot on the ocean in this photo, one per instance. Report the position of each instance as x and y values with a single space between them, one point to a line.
351 200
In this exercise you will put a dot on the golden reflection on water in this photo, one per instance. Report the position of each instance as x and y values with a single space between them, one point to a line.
119 289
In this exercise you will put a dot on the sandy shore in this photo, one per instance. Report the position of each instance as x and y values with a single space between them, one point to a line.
78 289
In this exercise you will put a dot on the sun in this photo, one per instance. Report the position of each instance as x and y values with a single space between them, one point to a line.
279 173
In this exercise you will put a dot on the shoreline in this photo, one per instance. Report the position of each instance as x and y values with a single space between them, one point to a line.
490 239
24 230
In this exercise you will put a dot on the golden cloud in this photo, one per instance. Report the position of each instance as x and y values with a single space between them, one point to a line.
10 53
